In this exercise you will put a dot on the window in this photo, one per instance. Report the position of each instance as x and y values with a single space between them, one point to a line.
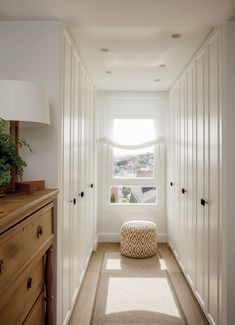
133 195
133 170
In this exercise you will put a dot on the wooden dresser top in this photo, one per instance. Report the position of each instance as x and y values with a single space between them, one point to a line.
17 206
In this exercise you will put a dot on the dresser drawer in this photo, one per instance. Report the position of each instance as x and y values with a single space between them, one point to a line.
18 299
18 246
37 314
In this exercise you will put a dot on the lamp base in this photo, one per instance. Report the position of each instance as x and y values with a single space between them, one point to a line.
29 186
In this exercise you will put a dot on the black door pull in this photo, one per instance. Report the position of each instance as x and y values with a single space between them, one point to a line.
183 190
171 183
203 202
82 194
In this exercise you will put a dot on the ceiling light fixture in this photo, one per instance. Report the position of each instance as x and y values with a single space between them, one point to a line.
157 80
108 72
104 50
175 36
162 65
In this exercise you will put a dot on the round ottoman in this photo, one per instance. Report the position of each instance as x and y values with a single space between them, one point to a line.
138 239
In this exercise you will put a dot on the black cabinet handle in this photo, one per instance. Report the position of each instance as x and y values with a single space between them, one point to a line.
74 201
183 190
91 185
203 202
171 183
82 194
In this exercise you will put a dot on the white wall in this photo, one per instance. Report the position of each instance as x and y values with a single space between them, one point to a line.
30 51
110 218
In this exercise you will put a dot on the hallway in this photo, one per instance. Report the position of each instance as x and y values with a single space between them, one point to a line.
84 305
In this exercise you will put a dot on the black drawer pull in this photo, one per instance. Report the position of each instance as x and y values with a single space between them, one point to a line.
91 185
183 190
40 231
2 267
29 283
171 184
82 194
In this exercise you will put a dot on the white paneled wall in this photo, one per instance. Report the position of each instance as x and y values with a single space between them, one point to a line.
194 175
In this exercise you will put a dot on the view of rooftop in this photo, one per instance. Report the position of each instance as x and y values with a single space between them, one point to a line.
129 165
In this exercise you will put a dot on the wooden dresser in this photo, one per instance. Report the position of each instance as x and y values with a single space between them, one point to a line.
26 238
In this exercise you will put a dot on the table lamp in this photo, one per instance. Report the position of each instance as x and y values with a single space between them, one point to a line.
24 104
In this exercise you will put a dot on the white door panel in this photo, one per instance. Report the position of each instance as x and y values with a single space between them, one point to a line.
214 177
66 180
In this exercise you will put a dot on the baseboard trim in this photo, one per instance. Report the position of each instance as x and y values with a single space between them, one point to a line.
115 238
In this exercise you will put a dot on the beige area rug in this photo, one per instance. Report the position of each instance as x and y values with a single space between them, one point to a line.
135 291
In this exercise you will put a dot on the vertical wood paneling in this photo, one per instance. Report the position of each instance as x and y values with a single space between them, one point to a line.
190 173
182 170
200 226
66 179
214 177
195 165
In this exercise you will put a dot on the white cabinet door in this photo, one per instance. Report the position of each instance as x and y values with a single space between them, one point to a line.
202 184
171 175
191 172
183 172
214 177
66 177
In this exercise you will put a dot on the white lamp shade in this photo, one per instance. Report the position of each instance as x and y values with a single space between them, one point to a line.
24 102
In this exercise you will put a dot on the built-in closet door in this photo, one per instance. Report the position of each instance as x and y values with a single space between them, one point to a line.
214 196
75 216
178 170
190 234
202 178
67 154
183 172
171 171
91 162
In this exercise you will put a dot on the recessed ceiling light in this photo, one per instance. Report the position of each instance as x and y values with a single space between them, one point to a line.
162 65
104 49
157 80
175 36
108 71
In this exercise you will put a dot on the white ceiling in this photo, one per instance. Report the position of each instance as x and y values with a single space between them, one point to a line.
136 32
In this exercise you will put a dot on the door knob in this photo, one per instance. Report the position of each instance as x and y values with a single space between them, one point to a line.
82 194
203 202
74 201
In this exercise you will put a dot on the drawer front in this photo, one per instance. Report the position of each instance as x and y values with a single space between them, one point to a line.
19 245
37 314
18 299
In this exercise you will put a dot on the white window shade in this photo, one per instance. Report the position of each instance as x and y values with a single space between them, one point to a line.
110 142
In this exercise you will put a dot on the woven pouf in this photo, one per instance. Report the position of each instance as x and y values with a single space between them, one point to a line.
138 239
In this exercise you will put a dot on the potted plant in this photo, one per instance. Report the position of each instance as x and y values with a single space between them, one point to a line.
8 157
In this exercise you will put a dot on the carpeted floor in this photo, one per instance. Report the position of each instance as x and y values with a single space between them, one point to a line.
135 291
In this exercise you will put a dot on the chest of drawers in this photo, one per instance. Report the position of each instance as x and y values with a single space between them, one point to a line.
26 239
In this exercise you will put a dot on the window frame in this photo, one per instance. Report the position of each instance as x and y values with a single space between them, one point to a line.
120 111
